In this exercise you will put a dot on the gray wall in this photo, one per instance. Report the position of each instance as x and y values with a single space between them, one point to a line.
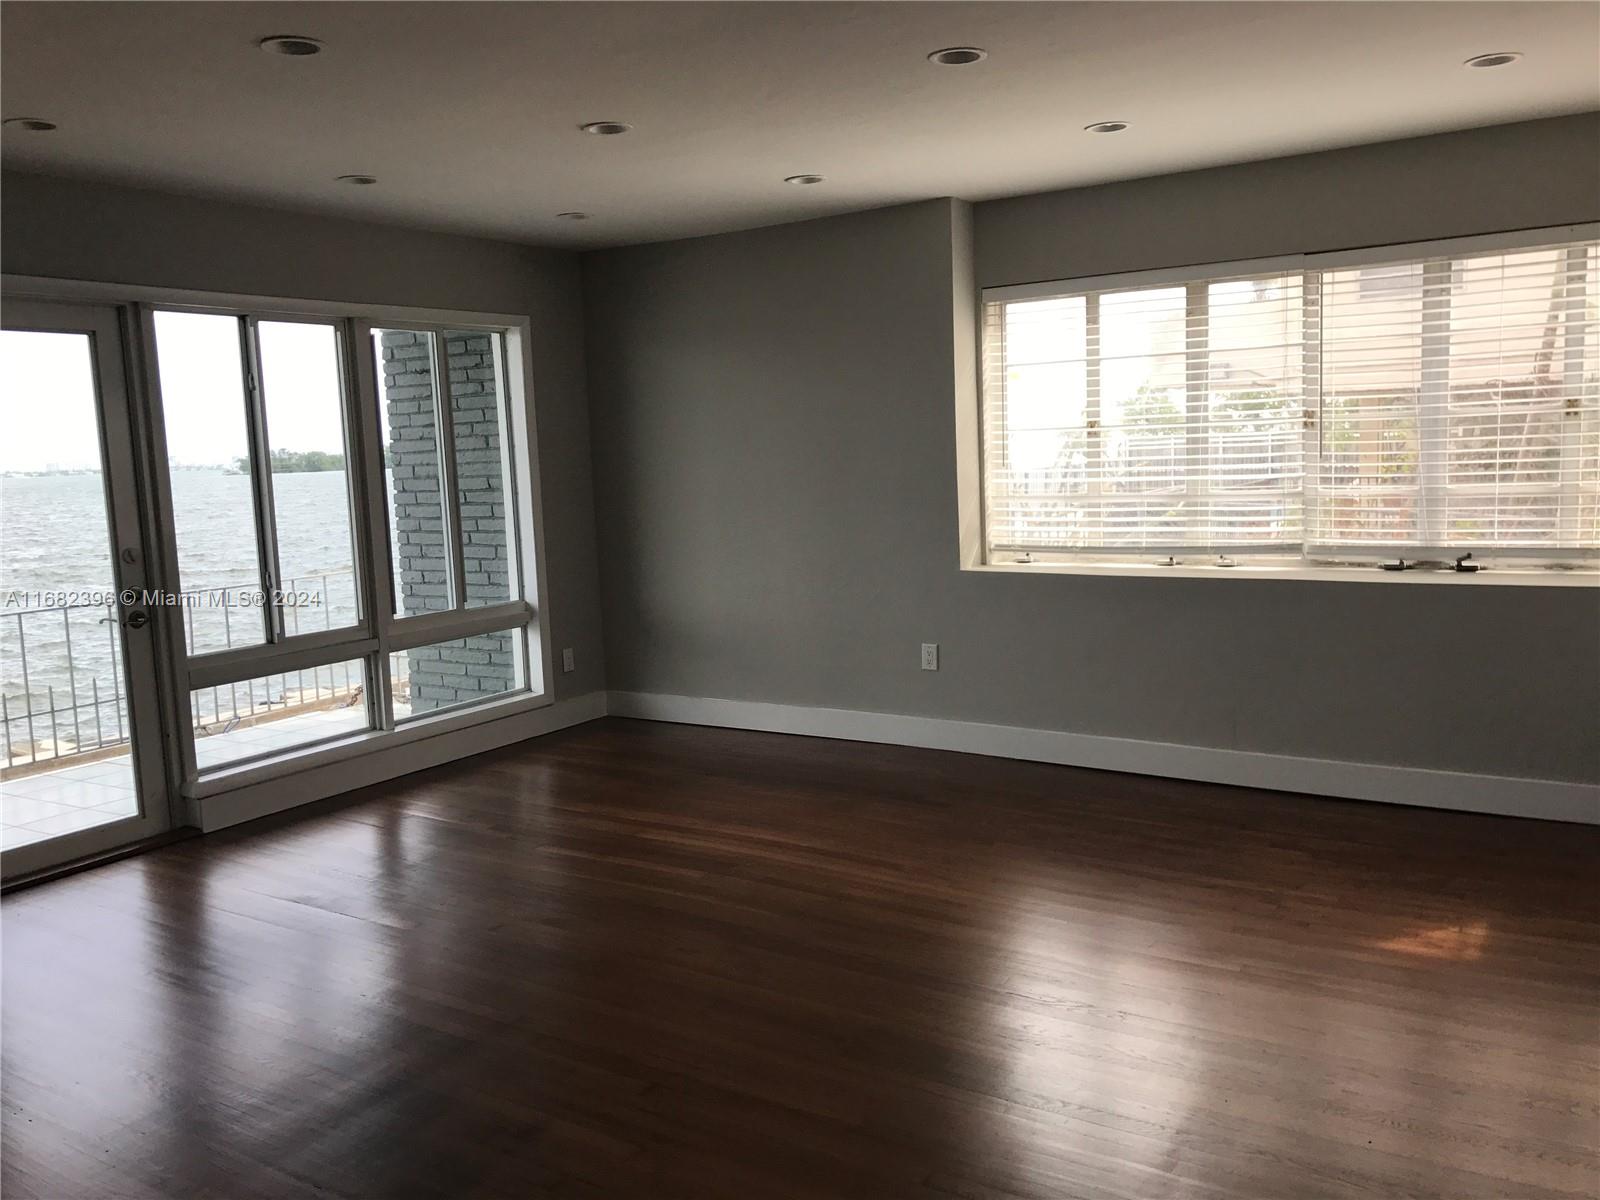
774 459
77 230
1451 185
776 484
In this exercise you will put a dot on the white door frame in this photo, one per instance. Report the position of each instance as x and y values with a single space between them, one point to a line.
137 573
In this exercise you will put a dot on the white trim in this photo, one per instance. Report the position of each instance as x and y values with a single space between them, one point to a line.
288 764
1362 256
526 500
222 667
1355 573
1544 799
426 629
46 287
1507 564
393 758
1047 289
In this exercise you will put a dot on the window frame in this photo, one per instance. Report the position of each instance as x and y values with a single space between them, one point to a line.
270 580
374 637
261 464
378 631
449 484
1310 559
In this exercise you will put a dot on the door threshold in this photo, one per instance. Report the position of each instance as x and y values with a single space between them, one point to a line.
45 874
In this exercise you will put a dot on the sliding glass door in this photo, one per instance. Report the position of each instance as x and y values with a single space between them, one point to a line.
342 558
81 767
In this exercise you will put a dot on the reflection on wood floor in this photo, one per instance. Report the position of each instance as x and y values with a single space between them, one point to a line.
639 960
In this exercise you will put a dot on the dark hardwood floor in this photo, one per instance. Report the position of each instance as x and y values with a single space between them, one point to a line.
636 960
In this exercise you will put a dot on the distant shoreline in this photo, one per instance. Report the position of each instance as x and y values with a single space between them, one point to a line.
295 467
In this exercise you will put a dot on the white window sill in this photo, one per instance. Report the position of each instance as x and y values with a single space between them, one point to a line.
1486 577
358 745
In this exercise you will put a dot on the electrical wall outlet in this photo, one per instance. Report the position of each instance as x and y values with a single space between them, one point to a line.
568 663
930 656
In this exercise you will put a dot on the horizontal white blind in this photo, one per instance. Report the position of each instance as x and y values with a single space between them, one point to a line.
1402 408
1458 404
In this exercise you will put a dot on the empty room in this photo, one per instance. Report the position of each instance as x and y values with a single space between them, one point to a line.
800 601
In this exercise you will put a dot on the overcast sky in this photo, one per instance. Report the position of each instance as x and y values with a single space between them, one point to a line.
47 394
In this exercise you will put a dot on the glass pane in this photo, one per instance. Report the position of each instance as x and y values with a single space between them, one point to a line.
483 475
302 391
1501 518
408 417
1371 360
64 716
276 714
1252 472
463 671
1518 336
1046 331
1045 434
1143 410
213 508
1037 439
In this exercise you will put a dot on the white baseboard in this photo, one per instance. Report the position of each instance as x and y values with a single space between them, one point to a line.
1546 799
318 783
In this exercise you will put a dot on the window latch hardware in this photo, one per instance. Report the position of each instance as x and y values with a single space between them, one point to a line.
1463 565
1398 564
1169 561
1224 561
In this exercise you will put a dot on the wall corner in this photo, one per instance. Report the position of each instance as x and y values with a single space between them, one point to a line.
964 316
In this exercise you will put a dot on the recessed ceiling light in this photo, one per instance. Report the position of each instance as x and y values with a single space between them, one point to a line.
803 180
31 124
1106 127
606 128
958 56
1501 58
291 44
573 216
357 180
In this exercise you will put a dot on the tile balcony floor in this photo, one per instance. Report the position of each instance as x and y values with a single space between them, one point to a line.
36 807
73 798
276 737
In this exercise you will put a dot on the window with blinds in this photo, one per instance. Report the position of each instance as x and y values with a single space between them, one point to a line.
1353 408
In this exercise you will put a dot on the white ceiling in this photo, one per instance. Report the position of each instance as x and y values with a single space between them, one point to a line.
468 112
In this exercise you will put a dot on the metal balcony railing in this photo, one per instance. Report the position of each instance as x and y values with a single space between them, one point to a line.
68 660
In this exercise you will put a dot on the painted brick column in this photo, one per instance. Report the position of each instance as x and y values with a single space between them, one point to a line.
477 667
